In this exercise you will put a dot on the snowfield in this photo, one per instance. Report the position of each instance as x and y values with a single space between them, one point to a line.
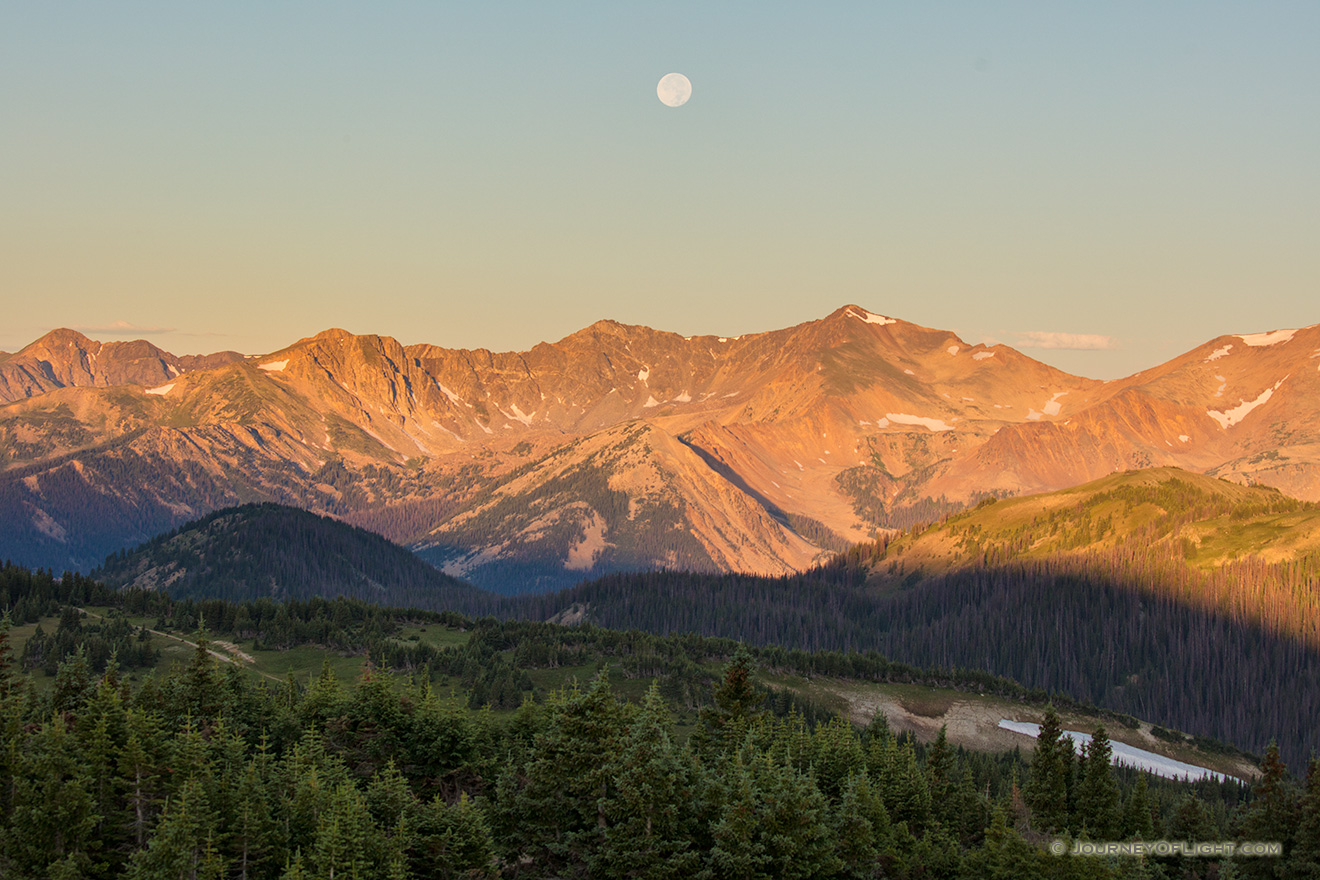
905 419
1229 418
1129 756
1272 338
870 318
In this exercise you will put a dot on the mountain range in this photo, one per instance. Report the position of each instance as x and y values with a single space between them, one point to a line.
618 447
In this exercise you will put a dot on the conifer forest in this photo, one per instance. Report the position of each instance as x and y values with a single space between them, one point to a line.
449 762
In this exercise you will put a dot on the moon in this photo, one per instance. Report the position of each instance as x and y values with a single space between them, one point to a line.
674 90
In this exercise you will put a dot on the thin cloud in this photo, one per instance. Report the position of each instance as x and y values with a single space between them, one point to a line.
124 328
1073 341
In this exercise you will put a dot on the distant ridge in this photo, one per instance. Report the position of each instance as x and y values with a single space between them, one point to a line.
619 447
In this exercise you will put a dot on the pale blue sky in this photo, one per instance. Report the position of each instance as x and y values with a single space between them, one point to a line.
492 175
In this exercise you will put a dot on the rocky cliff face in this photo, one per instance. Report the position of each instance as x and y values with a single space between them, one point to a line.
66 358
618 447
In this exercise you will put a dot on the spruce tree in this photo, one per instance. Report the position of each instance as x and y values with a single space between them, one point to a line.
1137 822
1271 815
1046 792
1097 792
736 702
1305 858
649 809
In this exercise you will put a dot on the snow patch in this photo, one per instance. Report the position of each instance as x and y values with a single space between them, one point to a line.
1229 418
1034 415
650 402
910 373
174 371
1129 756
952 349
1223 383
724 339
683 398
520 415
882 423
1272 338
1052 408
982 355
643 374
163 389
799 464
871 318
451 395
1219 352
274 366
1183 438
924 421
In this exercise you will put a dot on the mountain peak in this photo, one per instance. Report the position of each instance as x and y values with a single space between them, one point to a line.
858 313
61 337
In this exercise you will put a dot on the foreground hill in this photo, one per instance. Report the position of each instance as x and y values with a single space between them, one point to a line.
625 448
275 552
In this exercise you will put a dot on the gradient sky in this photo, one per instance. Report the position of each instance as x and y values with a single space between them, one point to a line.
239 175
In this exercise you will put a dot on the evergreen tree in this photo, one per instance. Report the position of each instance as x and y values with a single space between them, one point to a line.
1271 815
345 842
1137 822
1046 793
853 831
1305 859
1006 856
447 842
736 704
552 809
181 845
1097 792
648 810
53 814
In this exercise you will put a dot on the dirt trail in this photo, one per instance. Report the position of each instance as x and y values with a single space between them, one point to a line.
231 653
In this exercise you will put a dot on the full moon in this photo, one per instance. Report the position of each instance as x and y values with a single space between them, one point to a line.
674 89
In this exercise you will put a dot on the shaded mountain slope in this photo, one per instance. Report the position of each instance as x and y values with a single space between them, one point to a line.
272 551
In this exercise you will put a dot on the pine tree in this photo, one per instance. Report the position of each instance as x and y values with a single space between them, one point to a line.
1271 815
940 767
552 808
252 842
1097 792
1006 856
853 830
1046 793
53 814
1137 822
449 841
835 755
1305 859
736 703
345 841
648 815
181 845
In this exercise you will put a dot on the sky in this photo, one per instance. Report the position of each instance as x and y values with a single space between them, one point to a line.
1103 186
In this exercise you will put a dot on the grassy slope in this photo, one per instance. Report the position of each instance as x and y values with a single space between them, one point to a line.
1205 520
